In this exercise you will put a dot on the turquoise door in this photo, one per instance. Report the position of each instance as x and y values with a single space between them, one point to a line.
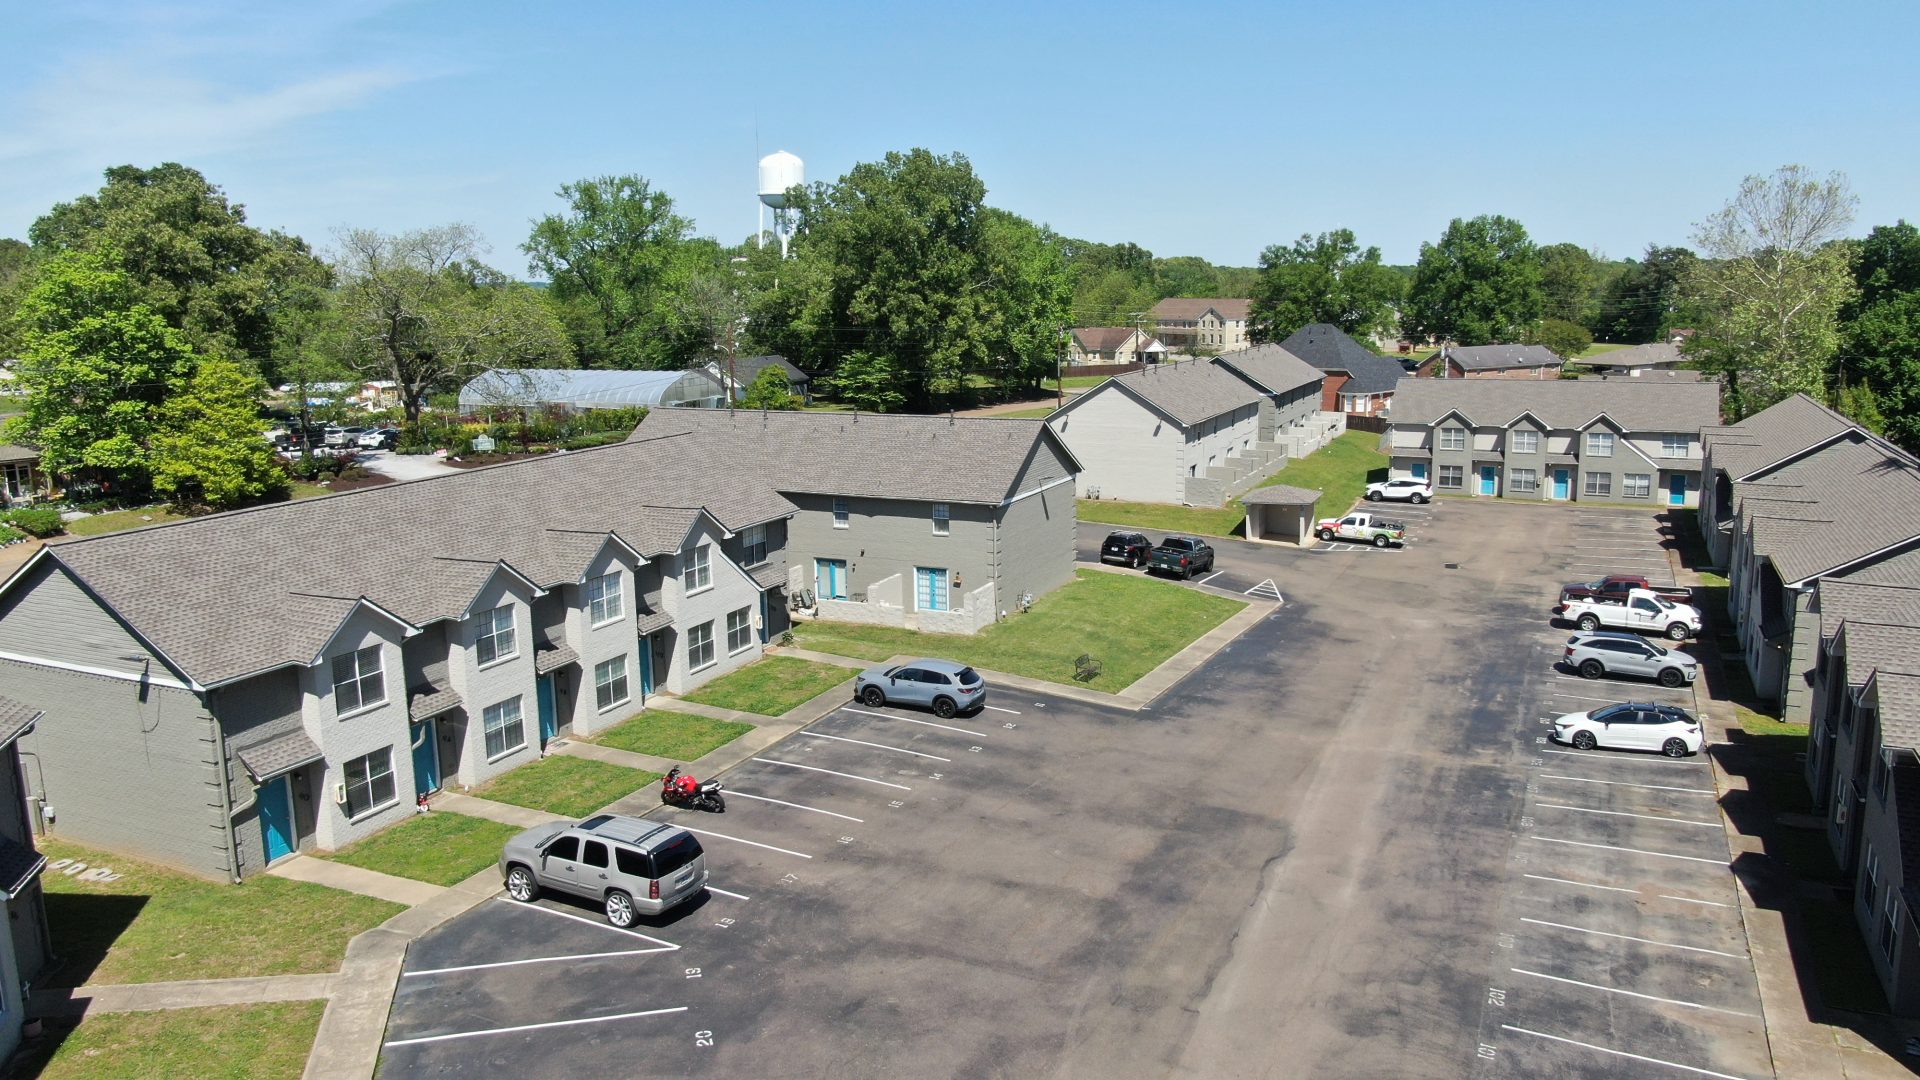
276 818
549 719
830 579
426 758
1489 479
930 588
646 667
1562 483
766 617
1419 470
1677 489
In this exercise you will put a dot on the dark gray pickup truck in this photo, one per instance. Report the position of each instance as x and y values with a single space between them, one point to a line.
1183 555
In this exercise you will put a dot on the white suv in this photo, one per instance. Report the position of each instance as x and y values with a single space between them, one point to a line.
1404 488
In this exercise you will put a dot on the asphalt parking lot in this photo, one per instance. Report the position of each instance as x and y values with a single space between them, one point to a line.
1336 849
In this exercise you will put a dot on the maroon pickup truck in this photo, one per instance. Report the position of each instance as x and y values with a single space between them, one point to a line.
1618 586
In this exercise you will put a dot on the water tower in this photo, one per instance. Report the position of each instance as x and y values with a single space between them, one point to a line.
779 171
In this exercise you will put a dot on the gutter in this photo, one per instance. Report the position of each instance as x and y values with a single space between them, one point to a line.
226 790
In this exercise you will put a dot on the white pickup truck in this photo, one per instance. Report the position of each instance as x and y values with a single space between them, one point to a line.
1638 610
1361 527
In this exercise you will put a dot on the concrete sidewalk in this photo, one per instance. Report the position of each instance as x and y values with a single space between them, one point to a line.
191 994
611 755
504 813
354 879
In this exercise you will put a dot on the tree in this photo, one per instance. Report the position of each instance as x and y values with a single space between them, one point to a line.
1479 285
1323 279
420 309
769 390
207 449
1568 275
1881 355
189 252
1772 285
1026 304
1644 303
870 381
95 364
1111 298
1566 339
1886 266
619 254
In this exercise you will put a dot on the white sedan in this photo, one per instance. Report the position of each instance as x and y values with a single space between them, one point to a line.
1405 487
1663 728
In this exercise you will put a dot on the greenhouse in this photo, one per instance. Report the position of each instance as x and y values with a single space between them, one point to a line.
527 388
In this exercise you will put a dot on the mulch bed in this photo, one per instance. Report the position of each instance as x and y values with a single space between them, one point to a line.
338 485
475 461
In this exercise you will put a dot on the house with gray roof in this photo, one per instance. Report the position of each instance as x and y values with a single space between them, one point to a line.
1113 345
21 478
25 947
1748 451
1359 381
232 689
1636 361
1202 324
578 391
1196 432
1491 362
1560 440
743 370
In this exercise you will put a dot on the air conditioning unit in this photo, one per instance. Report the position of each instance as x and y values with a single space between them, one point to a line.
340 794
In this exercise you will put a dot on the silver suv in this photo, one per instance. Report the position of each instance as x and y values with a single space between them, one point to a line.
1613 652
632 866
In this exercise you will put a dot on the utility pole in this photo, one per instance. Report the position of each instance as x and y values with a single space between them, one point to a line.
1059 372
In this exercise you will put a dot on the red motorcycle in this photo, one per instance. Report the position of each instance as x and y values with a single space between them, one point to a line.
681 789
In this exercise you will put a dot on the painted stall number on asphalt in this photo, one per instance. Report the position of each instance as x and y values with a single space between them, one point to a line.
1009 727
973 749
846 839
790 879
724 923
703 1038
935 776
1485 1052
897 803
1540 739
1496 997
693 973
1526 823
1505 941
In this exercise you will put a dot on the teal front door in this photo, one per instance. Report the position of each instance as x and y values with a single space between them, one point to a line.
1677 489
830 579
930 588
1419 470
646 668
276 817
426 757
1489 480
1562 483
549 715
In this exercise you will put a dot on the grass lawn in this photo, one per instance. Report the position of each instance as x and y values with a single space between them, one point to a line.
1074 382
156 925
304 490
677 736
119 521
1130 624
243 1042
771 686
442 848
1027 414
568 786
1599 347
1340 471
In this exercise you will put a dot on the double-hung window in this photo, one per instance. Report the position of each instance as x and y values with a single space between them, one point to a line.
1599 444
1675 445
739 631
1452 477
369 782
1453 438
604 598
753 545
359 682
495 639
699 572
1637 485
1890 925
1523 481
841 513
941 523
610 683
1524 442
700 647
1599 485
505 730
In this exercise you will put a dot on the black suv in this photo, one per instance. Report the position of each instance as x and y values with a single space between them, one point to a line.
1125 547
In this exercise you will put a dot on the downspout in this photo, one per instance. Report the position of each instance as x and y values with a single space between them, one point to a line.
226 790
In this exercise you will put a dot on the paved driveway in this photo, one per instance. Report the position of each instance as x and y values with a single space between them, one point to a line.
404 466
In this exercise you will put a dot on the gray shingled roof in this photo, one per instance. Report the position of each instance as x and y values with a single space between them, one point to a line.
1101 338
770 575
1280 495
1857 497
231 594
1560 403
652 622
748 368
280 753
872 455
1898 695
1773 434
1872 647
1272 368
1902 569
1637 356
553 658
1502 357
1192 307
1328 348
15 720
1190 392
10 453
429 700
1849 599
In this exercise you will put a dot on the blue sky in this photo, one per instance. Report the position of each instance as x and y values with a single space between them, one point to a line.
1210 130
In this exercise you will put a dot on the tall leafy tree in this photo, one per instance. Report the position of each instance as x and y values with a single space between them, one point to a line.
189 253
1886 266
1568 276
769 390
421 309
1772 285
1566 339
617 258
1479 285
1647 300
1026 302
96 362
1323 279
207 449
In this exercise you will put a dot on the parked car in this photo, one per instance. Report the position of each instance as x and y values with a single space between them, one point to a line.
1638 610
1632 726
343 436
1128 548
379 438
1361 527
1405 487
941 685
1183 555
631 865
1612 652
1618 586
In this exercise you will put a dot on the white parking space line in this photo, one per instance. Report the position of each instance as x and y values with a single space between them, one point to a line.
997 708
534 1027
1630 850
749 843
795 805
1630 993
667 945
1622 1053
1210 577
734 895
1691 900
1582 884
1630 937
1652 759
1586 697
535 960
830 772
1623 813
875 745
1638 688
1622 783
923 723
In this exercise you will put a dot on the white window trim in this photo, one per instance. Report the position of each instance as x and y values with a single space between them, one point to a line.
840 521
749 628
1612 440
511 750
620 601
942 517
692 564
710 645
371 810
499 658
624 677
386 695
747 546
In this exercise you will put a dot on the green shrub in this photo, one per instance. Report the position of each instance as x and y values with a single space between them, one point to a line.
41 521
8 534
